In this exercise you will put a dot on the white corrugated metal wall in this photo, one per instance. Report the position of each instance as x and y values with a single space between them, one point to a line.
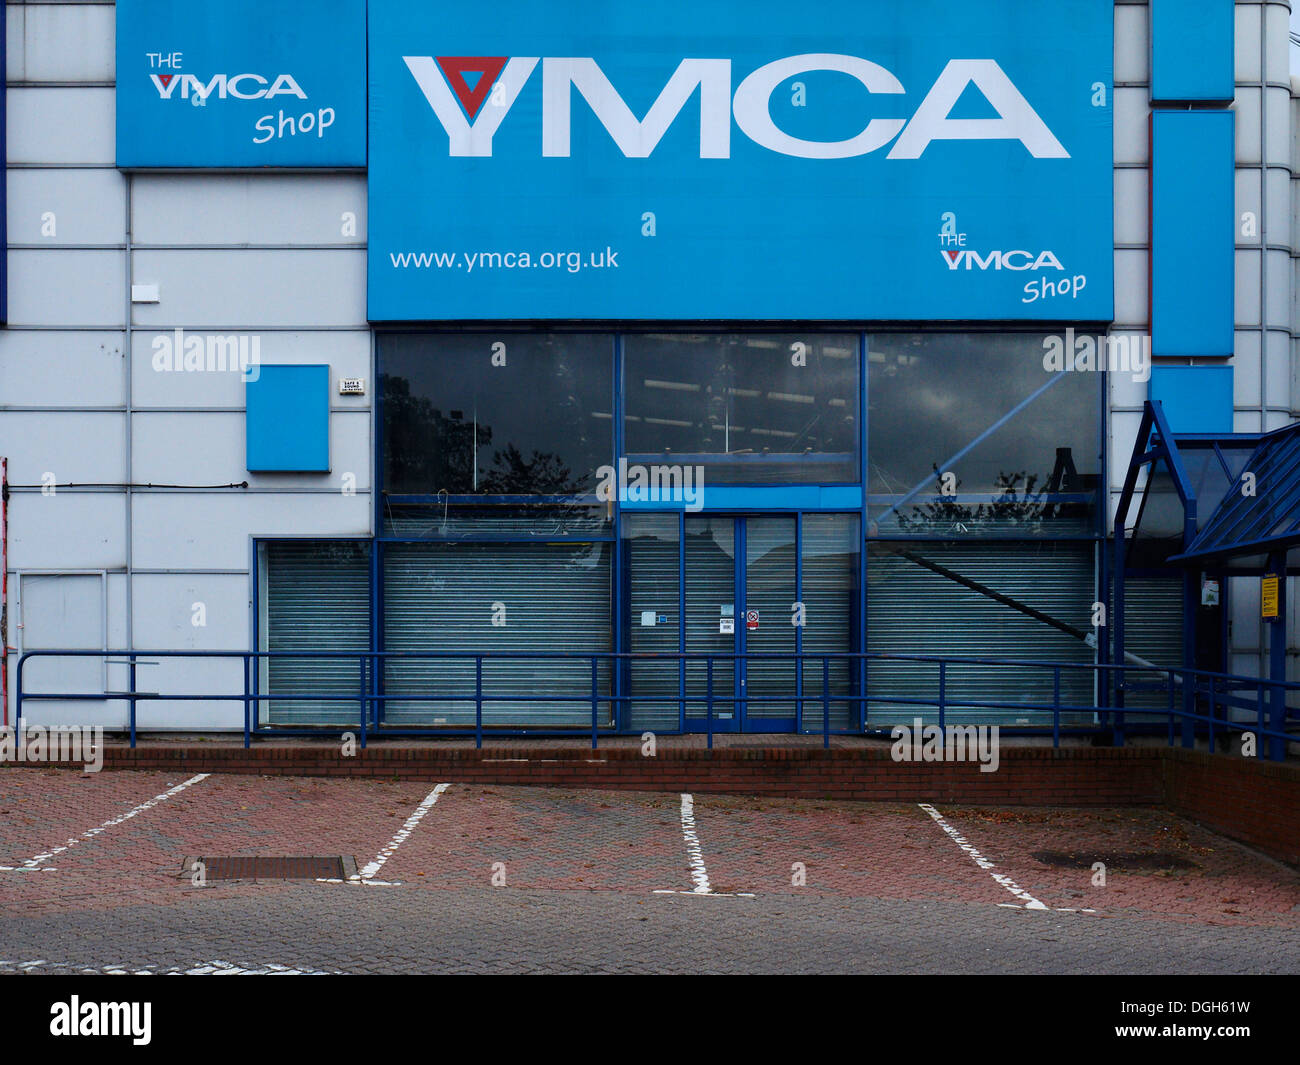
264 255
270 255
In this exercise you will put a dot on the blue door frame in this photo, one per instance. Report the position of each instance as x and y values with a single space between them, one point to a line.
737 694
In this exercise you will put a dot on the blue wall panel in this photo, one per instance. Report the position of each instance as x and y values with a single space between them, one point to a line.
4 210
1196 399
288 420
1191 50
1193 230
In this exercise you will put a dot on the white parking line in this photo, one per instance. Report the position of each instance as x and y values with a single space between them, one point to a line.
695 855
1030 903
39 859
708 894
370 870
693 852
212 968
358 882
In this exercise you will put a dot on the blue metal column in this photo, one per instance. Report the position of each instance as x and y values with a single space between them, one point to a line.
798 632
618 667
1117 629
740 642
681 620
1191 599
864 475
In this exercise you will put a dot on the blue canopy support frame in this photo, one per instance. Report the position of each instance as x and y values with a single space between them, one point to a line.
1257 516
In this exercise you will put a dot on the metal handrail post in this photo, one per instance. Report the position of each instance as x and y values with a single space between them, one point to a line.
1213 709
1056 707
1259 729
18 703
708 699
1171 708
943 694
362 703
248 692
826 702
478 702
595 702
131 697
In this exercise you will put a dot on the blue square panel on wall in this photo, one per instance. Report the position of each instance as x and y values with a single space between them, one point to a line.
288 420
1192 51
1196 399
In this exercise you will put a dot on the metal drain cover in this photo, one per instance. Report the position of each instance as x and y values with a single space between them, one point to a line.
284 867
1117 861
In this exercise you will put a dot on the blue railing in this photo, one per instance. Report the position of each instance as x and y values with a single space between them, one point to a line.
1195 701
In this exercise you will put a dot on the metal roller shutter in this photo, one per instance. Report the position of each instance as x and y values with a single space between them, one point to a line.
913 610
830 555
770 589
651 546
442 597
317 599
1153 630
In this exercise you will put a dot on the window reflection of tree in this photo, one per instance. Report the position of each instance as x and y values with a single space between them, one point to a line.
425 450
1016 501
513 475
428 452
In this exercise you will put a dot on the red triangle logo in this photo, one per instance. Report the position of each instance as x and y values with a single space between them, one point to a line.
953 256
166 79
455 69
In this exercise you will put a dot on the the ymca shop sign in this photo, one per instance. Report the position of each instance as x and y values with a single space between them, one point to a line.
241 83
741 159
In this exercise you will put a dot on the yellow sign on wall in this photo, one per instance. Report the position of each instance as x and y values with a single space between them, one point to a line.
1269 596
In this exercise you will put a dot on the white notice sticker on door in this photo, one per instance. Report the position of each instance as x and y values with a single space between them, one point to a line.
727 626
647 619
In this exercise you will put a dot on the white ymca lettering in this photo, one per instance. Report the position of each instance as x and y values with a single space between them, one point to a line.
1001 260
236 86
637 138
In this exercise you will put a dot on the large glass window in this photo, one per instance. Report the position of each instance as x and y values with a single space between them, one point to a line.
496 415
750 408
971 434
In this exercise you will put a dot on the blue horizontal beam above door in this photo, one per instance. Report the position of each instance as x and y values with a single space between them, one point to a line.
764 498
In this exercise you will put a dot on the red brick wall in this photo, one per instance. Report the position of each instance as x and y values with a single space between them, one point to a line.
1026 776
1256 802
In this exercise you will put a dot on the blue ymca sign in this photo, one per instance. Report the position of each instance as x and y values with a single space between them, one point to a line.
241 84
741 159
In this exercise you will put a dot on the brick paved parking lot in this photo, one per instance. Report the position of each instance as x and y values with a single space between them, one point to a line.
477 878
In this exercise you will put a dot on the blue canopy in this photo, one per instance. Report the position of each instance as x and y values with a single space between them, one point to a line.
1263 516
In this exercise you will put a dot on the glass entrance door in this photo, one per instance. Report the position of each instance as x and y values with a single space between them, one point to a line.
712 557
762 587
771 597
